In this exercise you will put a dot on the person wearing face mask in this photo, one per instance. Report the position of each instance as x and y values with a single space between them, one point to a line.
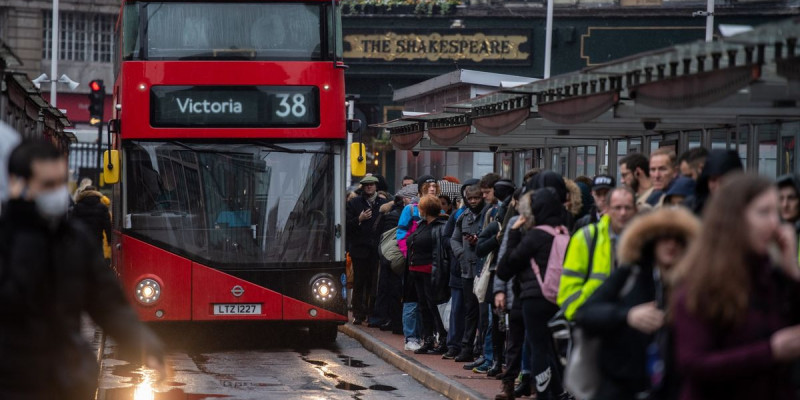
51 272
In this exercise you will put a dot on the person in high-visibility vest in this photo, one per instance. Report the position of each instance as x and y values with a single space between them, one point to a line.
590 257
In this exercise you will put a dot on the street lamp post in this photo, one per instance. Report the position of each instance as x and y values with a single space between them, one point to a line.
709 20
54 54
548 39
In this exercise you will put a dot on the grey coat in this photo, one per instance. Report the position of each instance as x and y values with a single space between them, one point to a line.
469 222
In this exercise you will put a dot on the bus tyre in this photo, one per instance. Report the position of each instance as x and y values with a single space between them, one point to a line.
323 333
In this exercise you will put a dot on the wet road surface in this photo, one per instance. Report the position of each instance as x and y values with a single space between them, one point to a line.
257 362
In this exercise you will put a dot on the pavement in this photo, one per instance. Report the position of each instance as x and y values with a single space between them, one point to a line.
444 376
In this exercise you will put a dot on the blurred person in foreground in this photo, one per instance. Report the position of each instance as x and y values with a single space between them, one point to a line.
627 310
51 271
736 299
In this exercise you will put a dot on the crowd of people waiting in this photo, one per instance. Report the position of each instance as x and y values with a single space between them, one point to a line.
681 283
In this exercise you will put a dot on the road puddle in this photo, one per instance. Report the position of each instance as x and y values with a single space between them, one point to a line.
341 384
352 362
136 393
349 386
382 388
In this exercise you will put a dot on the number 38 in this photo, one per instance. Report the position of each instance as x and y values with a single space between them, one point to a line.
297 108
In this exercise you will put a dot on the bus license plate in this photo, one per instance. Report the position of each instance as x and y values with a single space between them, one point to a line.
237 309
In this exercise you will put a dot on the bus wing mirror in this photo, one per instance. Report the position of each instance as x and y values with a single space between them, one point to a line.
354 125
111 167
358 159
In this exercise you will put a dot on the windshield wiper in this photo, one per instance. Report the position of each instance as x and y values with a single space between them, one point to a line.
280 148
222 54
283 149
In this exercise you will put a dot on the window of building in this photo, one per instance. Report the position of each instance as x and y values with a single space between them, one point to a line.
83 37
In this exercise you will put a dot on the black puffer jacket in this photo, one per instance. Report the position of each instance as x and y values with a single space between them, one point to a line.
49 277
440 257
91 212
535 243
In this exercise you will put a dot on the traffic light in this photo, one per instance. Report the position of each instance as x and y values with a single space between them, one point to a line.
97 96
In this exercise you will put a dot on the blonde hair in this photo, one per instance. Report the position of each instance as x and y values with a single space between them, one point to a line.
525 209
573 197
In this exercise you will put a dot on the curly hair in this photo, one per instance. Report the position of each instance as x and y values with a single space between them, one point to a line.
573 197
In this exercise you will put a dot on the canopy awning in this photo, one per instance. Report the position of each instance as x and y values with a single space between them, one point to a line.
708 83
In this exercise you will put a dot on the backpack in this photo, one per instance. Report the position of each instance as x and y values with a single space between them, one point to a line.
555 262
389 250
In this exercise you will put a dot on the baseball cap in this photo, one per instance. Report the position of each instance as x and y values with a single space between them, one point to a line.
603 182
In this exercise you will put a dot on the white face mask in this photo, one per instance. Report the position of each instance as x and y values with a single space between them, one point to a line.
53 204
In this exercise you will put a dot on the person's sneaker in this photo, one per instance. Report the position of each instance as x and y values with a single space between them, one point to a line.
483 368
476 363
413 344
451 353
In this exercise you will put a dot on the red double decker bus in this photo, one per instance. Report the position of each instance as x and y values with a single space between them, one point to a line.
230 129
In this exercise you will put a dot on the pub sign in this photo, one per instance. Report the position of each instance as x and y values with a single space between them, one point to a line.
465 47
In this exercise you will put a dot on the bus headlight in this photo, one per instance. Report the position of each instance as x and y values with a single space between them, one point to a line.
148 291
323 289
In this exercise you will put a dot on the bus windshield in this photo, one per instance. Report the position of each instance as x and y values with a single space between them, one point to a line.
232 205
227 31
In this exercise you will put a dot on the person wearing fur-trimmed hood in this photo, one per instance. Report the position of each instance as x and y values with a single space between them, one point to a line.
626 311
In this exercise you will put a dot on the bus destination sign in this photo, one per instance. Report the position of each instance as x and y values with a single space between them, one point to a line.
234 106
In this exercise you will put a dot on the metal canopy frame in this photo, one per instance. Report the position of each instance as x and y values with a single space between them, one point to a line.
768 94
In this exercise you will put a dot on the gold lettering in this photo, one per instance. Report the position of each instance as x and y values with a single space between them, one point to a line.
477 47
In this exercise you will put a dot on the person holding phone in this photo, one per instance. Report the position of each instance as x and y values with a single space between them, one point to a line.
735 308
463 242
363 235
